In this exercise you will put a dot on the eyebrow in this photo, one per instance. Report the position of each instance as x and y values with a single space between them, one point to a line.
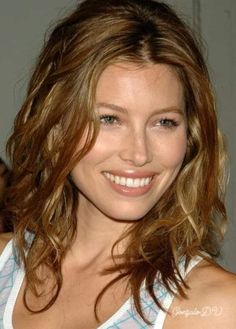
124 110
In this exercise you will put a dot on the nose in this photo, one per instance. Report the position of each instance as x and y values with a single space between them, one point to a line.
136 149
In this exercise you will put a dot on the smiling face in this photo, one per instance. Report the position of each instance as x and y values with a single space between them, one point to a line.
141 143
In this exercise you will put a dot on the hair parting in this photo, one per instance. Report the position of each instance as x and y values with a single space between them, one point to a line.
57 126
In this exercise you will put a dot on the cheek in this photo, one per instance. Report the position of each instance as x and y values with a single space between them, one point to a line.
102 149
172 153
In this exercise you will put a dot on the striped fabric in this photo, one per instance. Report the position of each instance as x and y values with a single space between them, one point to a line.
8 273
128 318
11 278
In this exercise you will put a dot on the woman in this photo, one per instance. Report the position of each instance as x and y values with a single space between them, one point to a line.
118 186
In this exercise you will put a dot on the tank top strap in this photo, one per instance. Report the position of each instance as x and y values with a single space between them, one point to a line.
169 297
8 273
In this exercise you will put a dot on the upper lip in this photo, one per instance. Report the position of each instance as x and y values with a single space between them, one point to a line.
131 173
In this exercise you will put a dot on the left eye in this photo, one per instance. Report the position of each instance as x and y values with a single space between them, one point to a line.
108 119
168 123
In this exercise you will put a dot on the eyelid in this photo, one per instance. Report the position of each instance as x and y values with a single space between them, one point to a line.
115 117
101 116
172 122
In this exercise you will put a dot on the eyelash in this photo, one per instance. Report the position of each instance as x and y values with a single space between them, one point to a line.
164 122
170 123
105 116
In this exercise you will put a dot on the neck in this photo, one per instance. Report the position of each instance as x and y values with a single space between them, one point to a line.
96 235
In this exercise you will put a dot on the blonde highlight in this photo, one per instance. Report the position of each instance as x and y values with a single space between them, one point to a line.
58 115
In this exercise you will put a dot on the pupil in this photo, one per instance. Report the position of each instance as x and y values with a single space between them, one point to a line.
166 122
110 119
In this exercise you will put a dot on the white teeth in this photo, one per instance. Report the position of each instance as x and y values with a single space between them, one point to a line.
117 180
136 182
129 182
143 181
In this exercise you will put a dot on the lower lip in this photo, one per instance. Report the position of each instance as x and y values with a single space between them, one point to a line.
131 191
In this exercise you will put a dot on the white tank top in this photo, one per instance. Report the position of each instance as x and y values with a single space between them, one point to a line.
12 276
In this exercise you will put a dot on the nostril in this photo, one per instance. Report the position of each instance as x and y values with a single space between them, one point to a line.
136 150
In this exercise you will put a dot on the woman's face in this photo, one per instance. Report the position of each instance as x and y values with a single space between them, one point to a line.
141 144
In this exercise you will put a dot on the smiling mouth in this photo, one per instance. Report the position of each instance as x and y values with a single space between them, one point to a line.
127 181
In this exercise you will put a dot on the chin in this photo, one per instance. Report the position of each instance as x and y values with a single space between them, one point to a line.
127 215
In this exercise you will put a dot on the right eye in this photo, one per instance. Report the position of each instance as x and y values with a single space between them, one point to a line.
108 120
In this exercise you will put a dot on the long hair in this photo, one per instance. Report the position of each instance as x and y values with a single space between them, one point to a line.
59 112
4 180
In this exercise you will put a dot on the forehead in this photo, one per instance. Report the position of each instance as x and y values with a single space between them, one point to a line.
136 70
134 86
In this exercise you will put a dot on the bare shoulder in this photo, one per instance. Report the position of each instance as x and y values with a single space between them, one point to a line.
211 301
210 275
4 239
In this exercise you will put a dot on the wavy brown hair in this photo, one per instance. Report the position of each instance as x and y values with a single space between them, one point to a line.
59 111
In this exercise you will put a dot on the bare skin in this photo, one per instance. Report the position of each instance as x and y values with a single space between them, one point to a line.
73 297
211 300
210 304
139 137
